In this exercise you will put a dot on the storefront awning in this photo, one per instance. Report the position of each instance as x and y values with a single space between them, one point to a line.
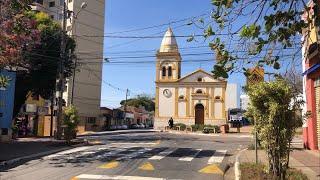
311 69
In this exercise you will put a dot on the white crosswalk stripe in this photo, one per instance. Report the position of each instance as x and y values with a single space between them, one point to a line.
134 154
163 154
217 157
190 157
126 153
93 176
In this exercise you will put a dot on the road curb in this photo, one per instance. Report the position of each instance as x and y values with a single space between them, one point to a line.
41 154
212 135
237 171
117 132
224 168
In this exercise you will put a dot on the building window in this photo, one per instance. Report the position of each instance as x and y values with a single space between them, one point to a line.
91 120
38 1
52 16
169 71
199 79
61 2
217 98
181 97
52 4
164 71
317 82
199 91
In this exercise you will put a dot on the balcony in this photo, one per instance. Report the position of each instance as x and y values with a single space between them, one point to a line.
38 5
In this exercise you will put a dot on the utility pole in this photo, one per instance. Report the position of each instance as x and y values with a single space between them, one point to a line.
256 141
60 86
51 114
125 104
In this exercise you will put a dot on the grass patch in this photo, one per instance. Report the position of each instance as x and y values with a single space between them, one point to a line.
252 147
259 172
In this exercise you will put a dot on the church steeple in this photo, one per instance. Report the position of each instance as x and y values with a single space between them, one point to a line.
168 59
169 42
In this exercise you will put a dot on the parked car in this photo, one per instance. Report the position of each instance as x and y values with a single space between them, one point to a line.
124 127
134 126
142 125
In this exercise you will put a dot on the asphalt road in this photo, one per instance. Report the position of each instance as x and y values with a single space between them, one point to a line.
137 156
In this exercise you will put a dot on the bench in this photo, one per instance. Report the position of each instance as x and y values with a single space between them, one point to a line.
209 129
188 128
178 128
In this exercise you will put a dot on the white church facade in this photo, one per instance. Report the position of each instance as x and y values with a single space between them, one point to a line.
197 98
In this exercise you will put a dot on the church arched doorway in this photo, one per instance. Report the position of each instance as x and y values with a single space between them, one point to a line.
199 114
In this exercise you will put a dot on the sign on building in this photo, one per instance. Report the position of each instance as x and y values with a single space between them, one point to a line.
7 89
31 108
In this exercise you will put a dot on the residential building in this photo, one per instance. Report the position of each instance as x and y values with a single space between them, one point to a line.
196 98
232 96
244 101
311 83
84 91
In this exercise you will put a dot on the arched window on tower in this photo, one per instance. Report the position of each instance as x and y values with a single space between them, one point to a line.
169 71
164 71
199 91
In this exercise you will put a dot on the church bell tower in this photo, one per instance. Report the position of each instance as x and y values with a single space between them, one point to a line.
168 66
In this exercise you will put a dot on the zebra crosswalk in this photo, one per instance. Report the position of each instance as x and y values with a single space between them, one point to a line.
149 153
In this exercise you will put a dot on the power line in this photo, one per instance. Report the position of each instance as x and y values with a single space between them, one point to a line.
160 25
183 61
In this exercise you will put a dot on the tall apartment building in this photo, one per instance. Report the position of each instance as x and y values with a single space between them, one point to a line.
88 77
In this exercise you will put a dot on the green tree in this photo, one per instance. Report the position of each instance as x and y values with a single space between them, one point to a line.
141 100
71 121
273 105
246 33
18 32
39 77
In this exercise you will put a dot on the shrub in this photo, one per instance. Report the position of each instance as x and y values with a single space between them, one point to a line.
71 120
197 127
182 126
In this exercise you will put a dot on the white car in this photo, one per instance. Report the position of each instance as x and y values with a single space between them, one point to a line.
141 125
124 127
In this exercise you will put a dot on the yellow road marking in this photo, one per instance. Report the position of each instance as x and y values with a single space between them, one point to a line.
147 167
74 178
110 165
211 169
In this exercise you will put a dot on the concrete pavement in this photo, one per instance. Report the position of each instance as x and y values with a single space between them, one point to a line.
151 155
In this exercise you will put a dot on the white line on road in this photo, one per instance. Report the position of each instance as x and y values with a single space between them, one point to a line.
189 158
87 153
135 144
92 176
162 154
78 149
217 157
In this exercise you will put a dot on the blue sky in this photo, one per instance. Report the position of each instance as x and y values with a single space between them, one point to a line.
122 15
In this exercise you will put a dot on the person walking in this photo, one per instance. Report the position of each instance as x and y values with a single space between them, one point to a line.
170 123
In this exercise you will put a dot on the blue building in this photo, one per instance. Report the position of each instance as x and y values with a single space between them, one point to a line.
7 90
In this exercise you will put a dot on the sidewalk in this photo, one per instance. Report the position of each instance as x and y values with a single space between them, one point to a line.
24 149
91 133
306 161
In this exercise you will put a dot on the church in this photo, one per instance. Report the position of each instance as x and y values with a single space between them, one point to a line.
197 98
